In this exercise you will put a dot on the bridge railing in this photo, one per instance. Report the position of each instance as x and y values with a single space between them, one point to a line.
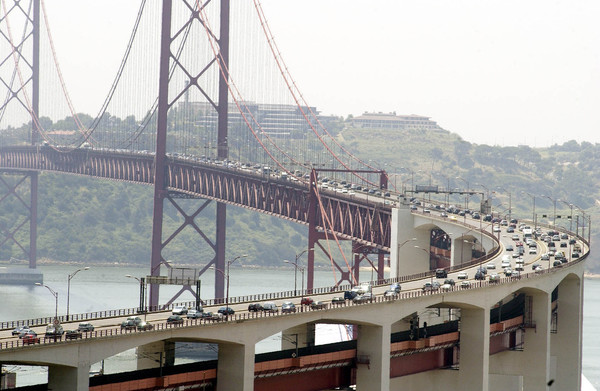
118 331
264 296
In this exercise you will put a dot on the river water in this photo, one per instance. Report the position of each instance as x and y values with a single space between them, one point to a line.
106 287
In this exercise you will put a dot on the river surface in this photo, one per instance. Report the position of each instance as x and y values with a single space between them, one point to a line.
106 287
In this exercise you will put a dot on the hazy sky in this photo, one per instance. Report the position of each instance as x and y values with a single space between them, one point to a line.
495 72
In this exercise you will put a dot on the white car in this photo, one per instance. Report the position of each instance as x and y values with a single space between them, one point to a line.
505 264
532 250
462 276
490 266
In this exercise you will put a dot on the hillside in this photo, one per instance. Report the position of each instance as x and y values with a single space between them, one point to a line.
83 219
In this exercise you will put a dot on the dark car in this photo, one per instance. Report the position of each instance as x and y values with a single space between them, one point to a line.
350 295
226 311
479 275
255 307
364 298
288 307
449 281
85 327
338 300
318 305
175 320
144 326
557 264
131 323
441 273
211 316
73 334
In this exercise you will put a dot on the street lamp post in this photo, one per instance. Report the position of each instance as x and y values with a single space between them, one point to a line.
55 294
69 286
533 217
226 275
466 193
509 202
554 216
296 267
571 215
142 293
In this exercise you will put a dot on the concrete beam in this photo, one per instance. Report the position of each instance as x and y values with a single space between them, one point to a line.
303 334
156 354
535 358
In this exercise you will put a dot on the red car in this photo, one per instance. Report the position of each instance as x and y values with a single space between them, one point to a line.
30 339
306 301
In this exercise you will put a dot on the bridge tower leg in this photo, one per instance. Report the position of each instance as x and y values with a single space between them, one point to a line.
161 163
15 92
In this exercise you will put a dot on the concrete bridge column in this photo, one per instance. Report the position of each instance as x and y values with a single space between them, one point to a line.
566 343
235 370
69 378
373 358
303 334
474 358
535 358
155 354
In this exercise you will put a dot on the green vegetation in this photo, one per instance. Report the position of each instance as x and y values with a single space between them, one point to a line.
91 220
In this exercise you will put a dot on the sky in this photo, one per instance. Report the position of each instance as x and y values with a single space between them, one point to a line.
495 72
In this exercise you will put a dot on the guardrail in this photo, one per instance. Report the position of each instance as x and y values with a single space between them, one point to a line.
260 297
117 331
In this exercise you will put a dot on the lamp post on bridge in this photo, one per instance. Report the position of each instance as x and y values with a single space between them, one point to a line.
142 282
571 215
509 202
226 275
466 193
554 203
296 267
55 294
533 217
69 286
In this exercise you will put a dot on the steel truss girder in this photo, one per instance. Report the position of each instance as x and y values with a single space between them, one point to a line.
351 218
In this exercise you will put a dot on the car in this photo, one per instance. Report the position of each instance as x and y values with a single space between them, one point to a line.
519 268
364 298
575 254
533 266
30 339
270 307
556 238
505 264
476 216
538 269
449 281
519 261
179 310
479 275
510 230
226 311
545 257
19 329
557 264
441 273
73 334
494 278
515 237
516 254
175 320
395 287
532 250
318 305
131 323
572 241
85 327
462 276
309 301
390 293
563 244
465 284
338 300
27 332
144 326
509 248
443 214
431 286
445 287
54 330
496 229
193 314
255 307
211 316
508 272
490 266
